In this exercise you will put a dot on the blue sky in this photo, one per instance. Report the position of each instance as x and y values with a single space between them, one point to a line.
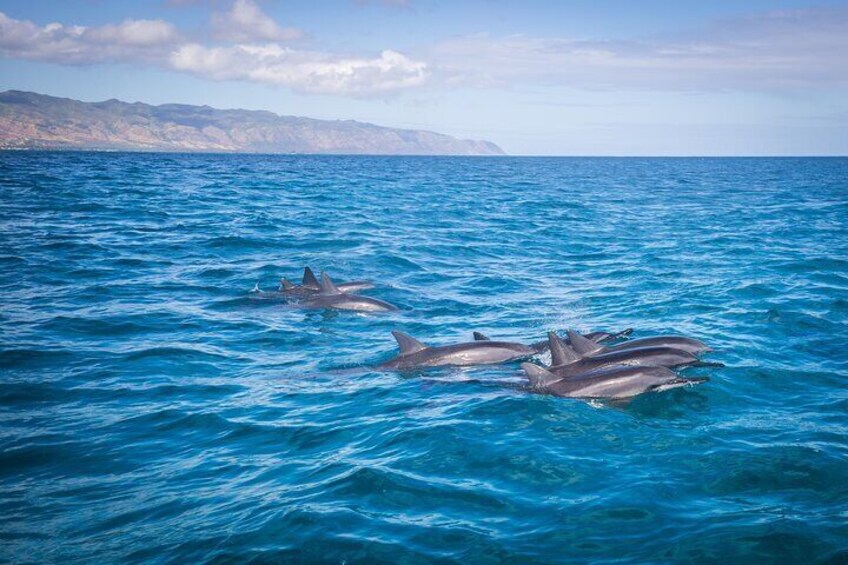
542 78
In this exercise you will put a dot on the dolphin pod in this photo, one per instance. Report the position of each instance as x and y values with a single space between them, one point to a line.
597 365
604 373
324 294
310 285
610 372
597 337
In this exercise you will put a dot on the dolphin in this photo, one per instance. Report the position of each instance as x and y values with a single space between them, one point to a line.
539 347
603 337
311 283
565 362
331 298
544 345
414 354
612 383
588 347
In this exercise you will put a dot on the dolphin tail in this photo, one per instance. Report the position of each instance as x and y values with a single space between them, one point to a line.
622 334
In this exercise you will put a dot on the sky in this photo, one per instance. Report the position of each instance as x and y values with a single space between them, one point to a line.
578 77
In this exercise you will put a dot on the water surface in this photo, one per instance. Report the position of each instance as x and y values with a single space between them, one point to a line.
150 411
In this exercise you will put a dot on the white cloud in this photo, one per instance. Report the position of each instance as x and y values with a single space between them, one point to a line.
246 23
131 40
302 71
156 42
787 49
142 33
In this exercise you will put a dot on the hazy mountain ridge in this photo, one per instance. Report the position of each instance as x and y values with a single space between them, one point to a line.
36 121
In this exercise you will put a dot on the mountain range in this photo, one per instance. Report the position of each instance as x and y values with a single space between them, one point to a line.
36 121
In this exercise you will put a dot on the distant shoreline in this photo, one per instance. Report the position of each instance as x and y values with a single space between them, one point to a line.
29 120
500 156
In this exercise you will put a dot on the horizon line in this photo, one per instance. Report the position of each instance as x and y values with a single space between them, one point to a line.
448 156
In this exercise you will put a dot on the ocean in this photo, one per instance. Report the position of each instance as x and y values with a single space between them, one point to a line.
152 412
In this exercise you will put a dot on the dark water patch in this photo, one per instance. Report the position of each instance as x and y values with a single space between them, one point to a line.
770 470
33 358
185 353
58 460
12 261
91 326
26 393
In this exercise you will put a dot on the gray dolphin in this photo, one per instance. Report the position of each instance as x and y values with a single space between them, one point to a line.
588 347
615 382
542 346
330 297
565 362
311 283
539 347
414 354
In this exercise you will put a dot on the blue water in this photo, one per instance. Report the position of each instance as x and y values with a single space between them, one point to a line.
150 411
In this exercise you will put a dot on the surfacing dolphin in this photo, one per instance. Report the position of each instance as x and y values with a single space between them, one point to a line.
414 354
331 298
588 347
539 347
612 383
565 362
542 346
312 283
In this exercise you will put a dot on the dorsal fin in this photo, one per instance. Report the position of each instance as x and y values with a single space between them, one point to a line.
561 354
309 278
286 284
481 337
539 377
584 347
407 343
327 286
